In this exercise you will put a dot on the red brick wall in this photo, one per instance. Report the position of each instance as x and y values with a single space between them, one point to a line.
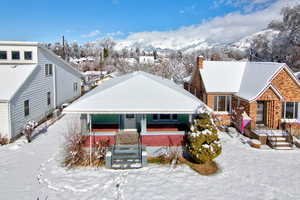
162 140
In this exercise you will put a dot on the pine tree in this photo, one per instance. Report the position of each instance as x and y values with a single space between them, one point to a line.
203 143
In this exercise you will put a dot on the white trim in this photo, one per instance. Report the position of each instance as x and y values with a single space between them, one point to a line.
162 133
131 112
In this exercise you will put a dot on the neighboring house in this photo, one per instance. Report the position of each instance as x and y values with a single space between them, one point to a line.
107 77
297 74
267 92
152 108
33 82
146 60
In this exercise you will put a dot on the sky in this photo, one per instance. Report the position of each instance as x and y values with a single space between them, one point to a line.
88 20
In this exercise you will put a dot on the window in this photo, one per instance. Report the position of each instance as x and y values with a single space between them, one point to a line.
165 117
48 69
290 110
48 98
130 116
3 55
26 108
15 55
75 87
222 103
28 55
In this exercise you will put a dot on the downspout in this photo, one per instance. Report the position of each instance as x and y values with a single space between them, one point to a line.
54 87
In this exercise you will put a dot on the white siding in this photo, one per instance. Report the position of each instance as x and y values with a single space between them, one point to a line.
4 130
35 90
65 77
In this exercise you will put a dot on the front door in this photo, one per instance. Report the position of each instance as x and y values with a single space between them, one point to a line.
129 122
260 115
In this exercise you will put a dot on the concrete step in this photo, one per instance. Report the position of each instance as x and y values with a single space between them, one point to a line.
283 148
127 166
278 138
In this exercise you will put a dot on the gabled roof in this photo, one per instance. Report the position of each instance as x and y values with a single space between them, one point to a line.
12 78
245 79
137 92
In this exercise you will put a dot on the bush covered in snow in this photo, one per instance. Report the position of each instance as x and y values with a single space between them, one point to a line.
203 144
28 129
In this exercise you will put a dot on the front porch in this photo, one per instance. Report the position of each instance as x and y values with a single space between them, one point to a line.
152 129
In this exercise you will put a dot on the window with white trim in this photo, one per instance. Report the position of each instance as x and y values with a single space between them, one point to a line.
48 69
290 110
48 98
222 103
75 87
28 55
15 55
26 108
165 117
3 55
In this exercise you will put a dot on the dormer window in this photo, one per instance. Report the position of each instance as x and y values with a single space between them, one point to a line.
28 55
15 55
3 55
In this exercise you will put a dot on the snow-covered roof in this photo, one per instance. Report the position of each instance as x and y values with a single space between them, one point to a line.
137 92
297 74
12 78
245 79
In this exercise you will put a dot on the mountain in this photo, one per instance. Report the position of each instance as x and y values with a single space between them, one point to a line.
194 44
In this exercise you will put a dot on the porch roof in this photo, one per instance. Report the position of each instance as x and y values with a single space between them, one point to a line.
138 92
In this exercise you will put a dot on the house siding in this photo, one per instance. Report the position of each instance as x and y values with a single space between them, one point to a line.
4 120
105 119
64 76
35 90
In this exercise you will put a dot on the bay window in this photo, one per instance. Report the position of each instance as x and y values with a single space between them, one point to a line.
290 110
222 103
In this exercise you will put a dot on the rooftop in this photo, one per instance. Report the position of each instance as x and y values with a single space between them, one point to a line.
12 78
137 92
245 79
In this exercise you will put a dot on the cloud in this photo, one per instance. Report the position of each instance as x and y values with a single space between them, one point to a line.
91 34
114 34
222 29
247 6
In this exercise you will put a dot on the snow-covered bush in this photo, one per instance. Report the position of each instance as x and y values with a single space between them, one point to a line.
28 129
203 144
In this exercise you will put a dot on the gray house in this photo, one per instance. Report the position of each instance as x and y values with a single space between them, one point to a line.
33 82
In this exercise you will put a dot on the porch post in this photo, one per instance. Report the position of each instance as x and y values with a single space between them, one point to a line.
144 123
190 118
84 123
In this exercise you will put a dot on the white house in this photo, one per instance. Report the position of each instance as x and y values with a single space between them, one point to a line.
33 82
146 60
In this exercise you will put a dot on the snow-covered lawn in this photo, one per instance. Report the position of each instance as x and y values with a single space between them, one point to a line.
28 171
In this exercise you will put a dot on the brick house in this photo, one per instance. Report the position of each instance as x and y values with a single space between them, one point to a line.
268 92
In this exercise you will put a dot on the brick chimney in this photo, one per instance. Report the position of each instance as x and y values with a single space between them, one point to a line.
199 63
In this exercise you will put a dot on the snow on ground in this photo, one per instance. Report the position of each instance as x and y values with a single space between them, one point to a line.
34 170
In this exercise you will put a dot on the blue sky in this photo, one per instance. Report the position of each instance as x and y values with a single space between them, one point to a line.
46 21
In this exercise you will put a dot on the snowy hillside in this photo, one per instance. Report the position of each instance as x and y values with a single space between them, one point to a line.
189 45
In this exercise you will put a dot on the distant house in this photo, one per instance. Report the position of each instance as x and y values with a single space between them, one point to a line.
33 82
268 93
146 60
139 109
